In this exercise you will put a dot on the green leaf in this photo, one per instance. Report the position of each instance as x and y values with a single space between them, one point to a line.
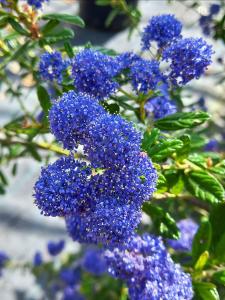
206 290
57 36
44 99
202 240
3 178
150 138
182 120
164 149
163 222
32 150
69 49
220 249
219 277
17 27
161 183
3 21
202 260
112 108
49 26
185 150
216 219
70 19
204 186
14 169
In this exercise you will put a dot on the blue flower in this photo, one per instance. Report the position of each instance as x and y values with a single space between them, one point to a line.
162 29
70 276
94 73
4 258
94 262
70 293
108 223
63 187
71 116
126 60
55 248
145 75
132 184
188 59
214 9
212 145
37 260
188 229
52 66
206 24
36 3
112 141
147 268
160 107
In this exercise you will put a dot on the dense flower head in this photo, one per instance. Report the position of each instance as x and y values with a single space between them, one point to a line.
206 21
70 276
160 107
94 262
134 183
94 73
162 29
71 116
150 273
188 229
63 187
145 75
126 60
212 145
206 24
214 9
52 66
108 223
37 259
36 3
70 293
55 248
188 59
112 141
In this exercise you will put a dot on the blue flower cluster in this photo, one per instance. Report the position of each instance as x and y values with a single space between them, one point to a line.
112 142
160 107
36 3
37 259
71 293
61 280
55 248
94 73
100 207
108 223
147 268
52 66
71 116
94 262
188 59
188 229
206 21
3 260
212 145
145 75
63 187
162 29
